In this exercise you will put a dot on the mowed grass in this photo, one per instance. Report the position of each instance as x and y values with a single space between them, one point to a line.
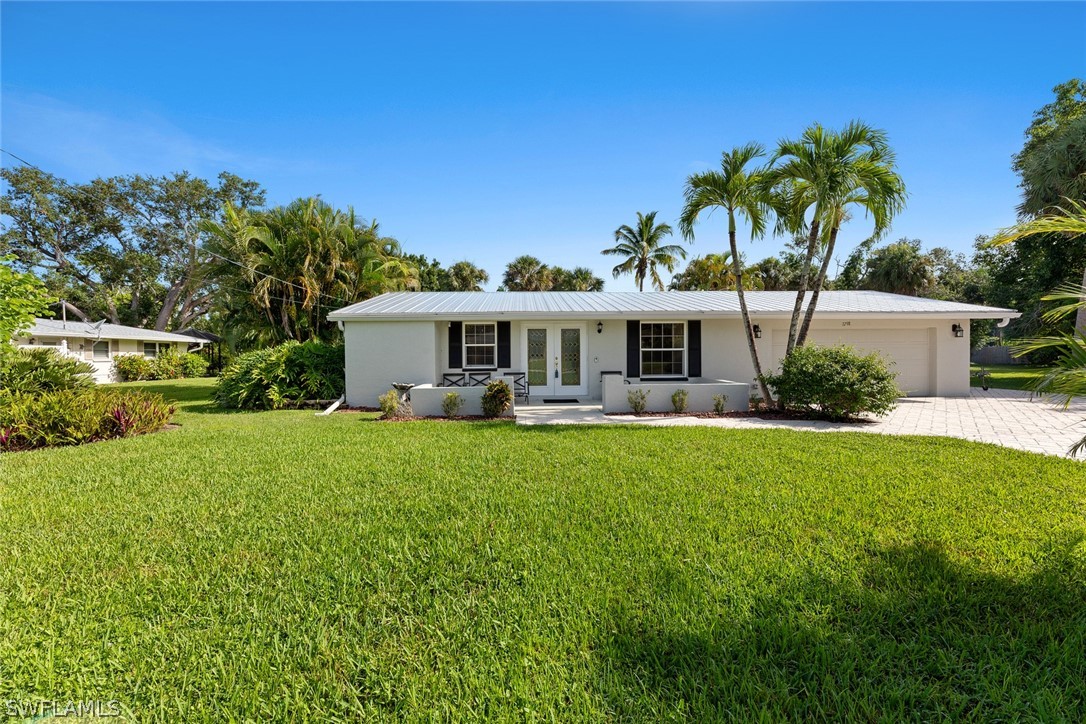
281 566
1010 377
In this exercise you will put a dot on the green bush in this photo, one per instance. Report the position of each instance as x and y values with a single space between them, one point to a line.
166 366
193 365
497 398
132 367
451 404
392 406
74 417
720 404
834 382
637 400
679 400
25 370
270 378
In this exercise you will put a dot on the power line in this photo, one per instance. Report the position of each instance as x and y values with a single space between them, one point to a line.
152 221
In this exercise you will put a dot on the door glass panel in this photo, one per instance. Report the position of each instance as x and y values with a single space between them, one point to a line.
537 357
571 357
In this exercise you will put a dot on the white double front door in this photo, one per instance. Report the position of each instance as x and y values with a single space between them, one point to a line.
556 357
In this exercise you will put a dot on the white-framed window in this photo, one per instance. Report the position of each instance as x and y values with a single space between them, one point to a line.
154 349
663 349
100 350
480 344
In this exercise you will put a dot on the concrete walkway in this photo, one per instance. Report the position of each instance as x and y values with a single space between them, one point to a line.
1003 417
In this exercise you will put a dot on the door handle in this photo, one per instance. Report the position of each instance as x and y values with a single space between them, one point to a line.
555 368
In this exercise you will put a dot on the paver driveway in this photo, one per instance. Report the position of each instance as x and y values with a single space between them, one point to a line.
1011 418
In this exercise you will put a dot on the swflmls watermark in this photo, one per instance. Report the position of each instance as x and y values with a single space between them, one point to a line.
60 708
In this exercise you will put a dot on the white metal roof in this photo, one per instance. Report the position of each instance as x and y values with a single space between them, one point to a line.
581 305
86 330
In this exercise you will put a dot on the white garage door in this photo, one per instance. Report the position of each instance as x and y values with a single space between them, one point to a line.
908 349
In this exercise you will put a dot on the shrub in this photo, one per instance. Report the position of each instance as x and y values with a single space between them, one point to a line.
41 370
132 367
638 400
719 404
166 366
679 399
74 417
390 404
451 404
193 365
834 382
497 398
270 378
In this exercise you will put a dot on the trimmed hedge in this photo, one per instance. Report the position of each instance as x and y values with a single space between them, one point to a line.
29 371
74 417
834 382
268 379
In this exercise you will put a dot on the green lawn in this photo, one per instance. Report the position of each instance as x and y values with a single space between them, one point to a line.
1010 377
277 565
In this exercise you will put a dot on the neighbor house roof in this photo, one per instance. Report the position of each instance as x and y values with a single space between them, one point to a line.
580 305
88 330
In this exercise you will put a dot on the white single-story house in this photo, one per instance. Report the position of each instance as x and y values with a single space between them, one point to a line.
99 342
589 346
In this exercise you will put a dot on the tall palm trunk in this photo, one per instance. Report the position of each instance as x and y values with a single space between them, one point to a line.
812 241
737 269
817 287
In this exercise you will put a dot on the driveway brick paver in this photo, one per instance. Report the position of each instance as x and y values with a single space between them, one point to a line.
1011 418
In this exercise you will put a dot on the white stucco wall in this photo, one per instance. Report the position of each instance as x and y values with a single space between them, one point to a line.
82 349
426 400
380 353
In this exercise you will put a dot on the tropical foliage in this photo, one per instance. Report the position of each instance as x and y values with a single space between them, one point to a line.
740 192
643 252
279 272
278 376
78 416
22 298
817 181
900 268
166 366
528 274
33 370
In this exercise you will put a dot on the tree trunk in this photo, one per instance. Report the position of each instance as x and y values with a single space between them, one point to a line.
817 288
793 327
737 269
168 305
1080 315
76 311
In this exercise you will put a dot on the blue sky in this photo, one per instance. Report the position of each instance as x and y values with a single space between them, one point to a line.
484 131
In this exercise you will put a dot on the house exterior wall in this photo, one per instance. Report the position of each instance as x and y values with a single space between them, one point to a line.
382 352
83 349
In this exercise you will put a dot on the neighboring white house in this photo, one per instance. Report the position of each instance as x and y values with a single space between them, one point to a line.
98 343
564 345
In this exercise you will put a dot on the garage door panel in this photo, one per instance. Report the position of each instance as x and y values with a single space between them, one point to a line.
908 349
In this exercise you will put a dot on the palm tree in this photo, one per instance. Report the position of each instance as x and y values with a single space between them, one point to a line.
578 279
738 192
899 268
713 272
527 274
466 277
1070 220
827 173
643 252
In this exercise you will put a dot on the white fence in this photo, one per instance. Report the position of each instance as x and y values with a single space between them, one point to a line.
426 399
700 393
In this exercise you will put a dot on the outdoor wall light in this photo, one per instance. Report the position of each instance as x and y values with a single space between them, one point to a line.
599 327
957 330
757 331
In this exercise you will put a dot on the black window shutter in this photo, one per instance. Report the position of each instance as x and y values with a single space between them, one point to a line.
633 348
505 359
456 345
693 350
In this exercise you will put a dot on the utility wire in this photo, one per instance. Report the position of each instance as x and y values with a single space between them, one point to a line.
82 190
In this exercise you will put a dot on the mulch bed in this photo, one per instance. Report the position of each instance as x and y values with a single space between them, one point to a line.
416 418
759 414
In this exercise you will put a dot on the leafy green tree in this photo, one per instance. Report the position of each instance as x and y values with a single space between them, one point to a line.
432 276
527 274
714 272
739 191
578 279
775 275
899 268
643 252
823 175
123 248
1052 162
22 298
